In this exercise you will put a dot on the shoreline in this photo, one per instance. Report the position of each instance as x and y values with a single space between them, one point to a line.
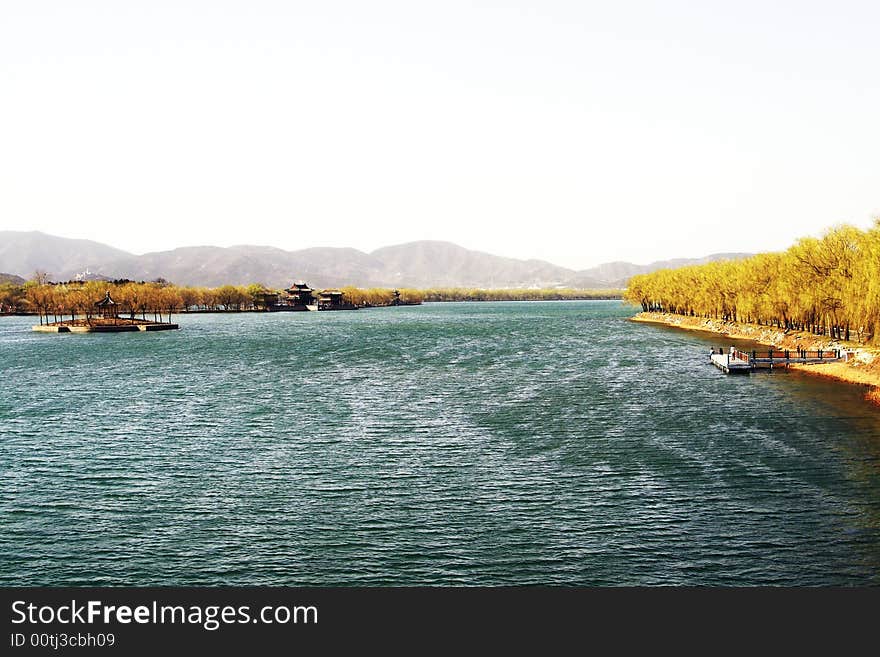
861 368
235 311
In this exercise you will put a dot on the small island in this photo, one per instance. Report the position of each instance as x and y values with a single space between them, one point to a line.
103 318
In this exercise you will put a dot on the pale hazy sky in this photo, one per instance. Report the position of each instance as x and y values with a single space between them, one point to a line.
577 132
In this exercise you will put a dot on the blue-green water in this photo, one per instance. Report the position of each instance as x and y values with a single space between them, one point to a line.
497 443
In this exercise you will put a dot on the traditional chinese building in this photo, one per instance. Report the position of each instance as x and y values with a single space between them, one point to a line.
107 308
334 300
300 294
267 300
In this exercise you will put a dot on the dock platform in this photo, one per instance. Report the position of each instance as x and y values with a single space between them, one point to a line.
108 328
736 361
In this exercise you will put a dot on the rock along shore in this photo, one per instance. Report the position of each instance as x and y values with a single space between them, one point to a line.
861 368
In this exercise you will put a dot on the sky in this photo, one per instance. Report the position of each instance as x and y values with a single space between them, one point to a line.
575 132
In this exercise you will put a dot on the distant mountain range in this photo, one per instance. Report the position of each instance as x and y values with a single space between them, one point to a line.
11 278
416 264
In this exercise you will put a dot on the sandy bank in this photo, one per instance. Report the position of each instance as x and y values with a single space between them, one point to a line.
862 366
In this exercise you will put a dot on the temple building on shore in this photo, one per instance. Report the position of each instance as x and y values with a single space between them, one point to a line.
300 294
334 300
297 297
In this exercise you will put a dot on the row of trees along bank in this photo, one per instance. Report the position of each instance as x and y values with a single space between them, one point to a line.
828 286
159 300
516 294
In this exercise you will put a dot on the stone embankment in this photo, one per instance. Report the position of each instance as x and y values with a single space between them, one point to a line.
862 366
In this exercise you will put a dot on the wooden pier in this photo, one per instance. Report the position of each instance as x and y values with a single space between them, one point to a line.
736 361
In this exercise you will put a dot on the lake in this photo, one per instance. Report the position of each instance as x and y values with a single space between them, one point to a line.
444 444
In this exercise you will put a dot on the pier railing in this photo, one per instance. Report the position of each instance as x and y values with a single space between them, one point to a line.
785 354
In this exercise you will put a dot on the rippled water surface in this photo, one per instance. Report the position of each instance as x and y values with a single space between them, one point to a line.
506 443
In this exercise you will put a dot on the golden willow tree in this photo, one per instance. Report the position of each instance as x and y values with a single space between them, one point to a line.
75 300
827 286
377 296
516 294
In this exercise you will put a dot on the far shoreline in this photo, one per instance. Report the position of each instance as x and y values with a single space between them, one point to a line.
863 367
262 311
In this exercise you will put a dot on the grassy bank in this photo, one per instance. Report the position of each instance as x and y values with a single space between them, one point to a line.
862 367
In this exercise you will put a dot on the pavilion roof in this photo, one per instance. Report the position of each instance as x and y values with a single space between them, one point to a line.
106 301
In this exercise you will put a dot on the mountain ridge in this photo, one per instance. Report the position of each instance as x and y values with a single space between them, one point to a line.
11 279
420 264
